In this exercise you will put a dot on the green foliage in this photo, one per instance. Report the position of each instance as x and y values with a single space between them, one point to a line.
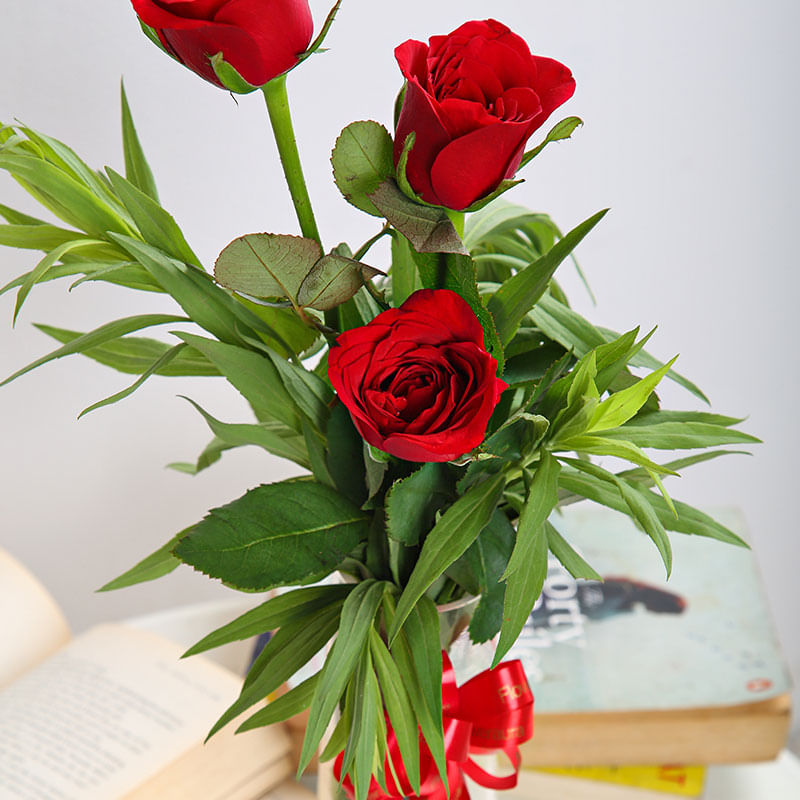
561 130
278 534
429 229
410 534
362 161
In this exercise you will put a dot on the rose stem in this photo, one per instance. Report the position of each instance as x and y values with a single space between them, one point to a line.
281 119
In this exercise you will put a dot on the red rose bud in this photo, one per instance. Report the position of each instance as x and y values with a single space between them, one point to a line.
258 39
473 98
417 380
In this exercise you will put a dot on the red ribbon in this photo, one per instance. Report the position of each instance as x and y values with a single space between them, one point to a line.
491 712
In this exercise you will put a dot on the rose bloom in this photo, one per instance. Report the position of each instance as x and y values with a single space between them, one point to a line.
260 39
417 380
473 98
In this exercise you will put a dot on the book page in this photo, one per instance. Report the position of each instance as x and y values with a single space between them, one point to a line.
104 714
31 624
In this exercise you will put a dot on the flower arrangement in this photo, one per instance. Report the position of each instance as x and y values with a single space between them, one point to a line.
444 405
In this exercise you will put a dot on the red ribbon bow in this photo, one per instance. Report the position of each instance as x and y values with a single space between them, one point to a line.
490 712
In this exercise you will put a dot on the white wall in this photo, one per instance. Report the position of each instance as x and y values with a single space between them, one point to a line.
691 115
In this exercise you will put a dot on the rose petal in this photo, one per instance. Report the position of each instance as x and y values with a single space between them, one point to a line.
473 165
192 9
447 308
419 114
411 57
194 47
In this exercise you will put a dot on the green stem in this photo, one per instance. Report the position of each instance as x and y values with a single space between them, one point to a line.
364 249
279 115
281 119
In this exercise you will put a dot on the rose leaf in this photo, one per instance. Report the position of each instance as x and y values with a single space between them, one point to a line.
275 535
267 264
362 160
428 228
332 281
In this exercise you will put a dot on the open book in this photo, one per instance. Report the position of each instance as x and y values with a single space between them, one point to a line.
114 714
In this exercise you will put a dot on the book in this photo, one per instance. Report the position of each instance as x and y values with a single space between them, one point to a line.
639 669
610 783
115 714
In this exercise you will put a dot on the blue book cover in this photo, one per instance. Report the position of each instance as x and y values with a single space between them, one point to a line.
639 642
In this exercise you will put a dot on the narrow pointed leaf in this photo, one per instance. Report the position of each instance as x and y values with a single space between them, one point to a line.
520 293
455 531
156 565
541 500
137 170
356 620
105 333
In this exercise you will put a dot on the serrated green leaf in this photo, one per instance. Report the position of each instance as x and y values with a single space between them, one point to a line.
412 503
276 612
357 617
540 501
267 264
362 160
156 565
332 281
519 294
275 535
137 170
428 229
455 531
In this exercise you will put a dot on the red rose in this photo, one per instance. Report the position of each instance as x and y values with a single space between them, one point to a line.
260 39
417 380
473 98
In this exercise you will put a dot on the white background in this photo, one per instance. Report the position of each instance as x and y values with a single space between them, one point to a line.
691 125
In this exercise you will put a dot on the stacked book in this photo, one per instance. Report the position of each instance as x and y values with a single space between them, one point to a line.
640 680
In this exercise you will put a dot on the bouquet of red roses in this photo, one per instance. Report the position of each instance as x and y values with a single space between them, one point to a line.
443 405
